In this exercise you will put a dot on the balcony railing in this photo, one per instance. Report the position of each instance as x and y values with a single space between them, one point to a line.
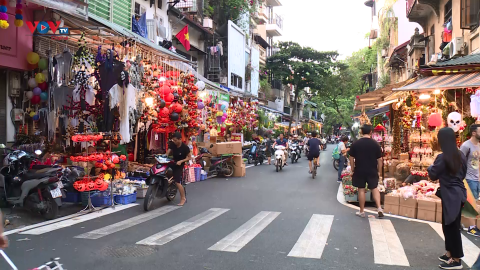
276 84
278 20
186 5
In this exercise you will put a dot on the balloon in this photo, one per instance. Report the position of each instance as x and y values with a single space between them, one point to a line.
36 117
161 104
219 114
32 83
37 91
219 119
44 96
39 78
200 85
164 112
33 58
224 117
177 108
165 90
169 98
35 99
45 75
224 107
174 116
42 64
32 114
200 105
29 94
43 86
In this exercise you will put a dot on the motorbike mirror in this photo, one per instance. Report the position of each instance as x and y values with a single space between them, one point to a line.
38 152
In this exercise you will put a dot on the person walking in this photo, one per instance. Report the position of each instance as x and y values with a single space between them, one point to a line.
366 162
3 239
471 149
269 149
450 167
342 147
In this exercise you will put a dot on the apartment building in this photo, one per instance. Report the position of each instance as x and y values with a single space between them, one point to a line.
269 26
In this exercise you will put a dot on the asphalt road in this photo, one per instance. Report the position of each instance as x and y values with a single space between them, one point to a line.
254 222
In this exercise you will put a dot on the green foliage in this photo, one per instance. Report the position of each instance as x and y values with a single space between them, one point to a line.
265 87
384 80
224 10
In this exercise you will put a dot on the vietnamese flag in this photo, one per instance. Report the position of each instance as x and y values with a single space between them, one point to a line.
184 38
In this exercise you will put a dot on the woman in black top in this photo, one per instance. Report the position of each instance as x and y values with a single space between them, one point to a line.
450 168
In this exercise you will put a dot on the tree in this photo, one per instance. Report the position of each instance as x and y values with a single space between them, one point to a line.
301 67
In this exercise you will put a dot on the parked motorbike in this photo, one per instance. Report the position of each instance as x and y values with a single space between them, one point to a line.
36 189
294 152
279 157
160 182
257 154
220 166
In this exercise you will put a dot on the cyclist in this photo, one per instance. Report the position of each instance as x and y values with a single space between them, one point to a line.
181 153
313 150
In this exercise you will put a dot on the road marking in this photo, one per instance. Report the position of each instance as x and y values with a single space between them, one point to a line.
76 220
245 233
96 234
178 230
313 239
387 247
470 250
26 228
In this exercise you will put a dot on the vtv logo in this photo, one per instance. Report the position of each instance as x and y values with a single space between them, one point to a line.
43 27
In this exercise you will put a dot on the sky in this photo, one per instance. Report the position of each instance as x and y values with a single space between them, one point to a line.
326 25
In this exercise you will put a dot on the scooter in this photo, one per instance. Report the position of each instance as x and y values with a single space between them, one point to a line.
294 152
324 144
220 166
279 157
160 182
36 190
259 154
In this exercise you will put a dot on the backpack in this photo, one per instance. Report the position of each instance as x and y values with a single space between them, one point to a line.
336 153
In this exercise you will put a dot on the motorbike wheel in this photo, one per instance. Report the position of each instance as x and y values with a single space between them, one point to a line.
293 159
277 166
171 193
261 161
149 197
256 162
51 210
250 160
336 164
229 169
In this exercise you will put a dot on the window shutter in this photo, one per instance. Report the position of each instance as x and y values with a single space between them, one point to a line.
122 13
100 8
469 13
474 13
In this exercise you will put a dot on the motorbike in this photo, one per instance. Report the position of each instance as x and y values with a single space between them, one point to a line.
259 154
38 189
324 144
160 182
279 157
336 161
294 152
220 166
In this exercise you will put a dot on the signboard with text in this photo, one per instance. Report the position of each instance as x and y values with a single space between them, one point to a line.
237 137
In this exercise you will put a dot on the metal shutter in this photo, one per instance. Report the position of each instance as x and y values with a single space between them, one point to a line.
3 106
122 13
100 8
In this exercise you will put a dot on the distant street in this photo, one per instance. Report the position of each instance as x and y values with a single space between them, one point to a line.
265 221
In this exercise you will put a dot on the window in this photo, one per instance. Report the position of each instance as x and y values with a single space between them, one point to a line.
448 11
139 9
236 81
159 4
469 14
431 43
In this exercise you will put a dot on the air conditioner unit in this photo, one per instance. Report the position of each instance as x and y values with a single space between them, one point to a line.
208 23
456 47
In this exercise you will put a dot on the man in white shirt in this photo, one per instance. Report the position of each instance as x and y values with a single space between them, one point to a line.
343 156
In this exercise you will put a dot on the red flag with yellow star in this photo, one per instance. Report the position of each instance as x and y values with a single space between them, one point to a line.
184 38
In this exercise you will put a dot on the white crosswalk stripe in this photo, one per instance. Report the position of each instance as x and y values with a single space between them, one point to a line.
245 233
187 226
470 250
76 220
313 239
96 234
387 247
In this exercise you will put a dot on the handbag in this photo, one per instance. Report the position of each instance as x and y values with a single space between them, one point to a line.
438 193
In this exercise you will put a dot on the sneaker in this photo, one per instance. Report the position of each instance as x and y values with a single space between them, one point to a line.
444 258
452 264
380 213
358 214
339 181
473 230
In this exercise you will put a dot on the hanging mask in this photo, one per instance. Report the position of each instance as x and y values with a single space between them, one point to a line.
454 121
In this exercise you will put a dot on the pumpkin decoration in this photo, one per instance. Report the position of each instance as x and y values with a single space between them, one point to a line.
91 185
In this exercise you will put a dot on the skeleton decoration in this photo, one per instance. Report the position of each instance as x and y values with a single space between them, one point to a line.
454 121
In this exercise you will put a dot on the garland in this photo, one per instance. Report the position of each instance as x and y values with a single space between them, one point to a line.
3 14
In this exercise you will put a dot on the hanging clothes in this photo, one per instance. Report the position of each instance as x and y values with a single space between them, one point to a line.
109 72
140 27
124 99
63 70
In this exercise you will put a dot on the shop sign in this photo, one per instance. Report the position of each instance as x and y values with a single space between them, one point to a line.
43 27
237 137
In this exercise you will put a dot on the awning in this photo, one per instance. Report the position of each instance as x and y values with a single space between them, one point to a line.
381 97
444 82
189 69
259 39
374 112
271 110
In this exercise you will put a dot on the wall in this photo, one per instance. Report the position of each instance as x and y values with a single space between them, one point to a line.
16 42
160 13
405 27
236 54
255 62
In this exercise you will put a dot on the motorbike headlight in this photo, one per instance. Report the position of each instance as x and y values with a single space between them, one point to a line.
16 179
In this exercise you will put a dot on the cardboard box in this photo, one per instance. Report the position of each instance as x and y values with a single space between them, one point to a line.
239 171
427 205
438 217
467 222
213 139
228 148
410 212
237 161
392 200
403 157
410 202
427 215
478 223
391 209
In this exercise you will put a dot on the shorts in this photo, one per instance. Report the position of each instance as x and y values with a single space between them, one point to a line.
311 156
474 187
268 153
177 174
362 181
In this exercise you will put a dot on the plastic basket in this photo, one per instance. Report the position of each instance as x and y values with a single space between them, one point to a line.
198 173
73 197
126 199
99 200
203 177
84 197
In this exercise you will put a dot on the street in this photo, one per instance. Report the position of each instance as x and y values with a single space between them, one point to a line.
266 220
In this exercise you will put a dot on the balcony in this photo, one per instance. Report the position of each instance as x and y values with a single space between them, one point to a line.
419 11
276 84
273 3
262 15
263 55
275 26
187 6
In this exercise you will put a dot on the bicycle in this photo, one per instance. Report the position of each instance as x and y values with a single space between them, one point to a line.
314 171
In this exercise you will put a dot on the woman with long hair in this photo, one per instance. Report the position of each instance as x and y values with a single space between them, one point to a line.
450 168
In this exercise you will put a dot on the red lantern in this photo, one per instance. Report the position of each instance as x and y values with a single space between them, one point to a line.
168 98
104 167
123 157
177 108
112 165
164 112
116 160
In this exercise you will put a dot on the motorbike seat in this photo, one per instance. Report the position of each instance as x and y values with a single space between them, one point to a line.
215 159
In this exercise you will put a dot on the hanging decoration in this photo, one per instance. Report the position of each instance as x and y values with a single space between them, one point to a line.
3 15
19 14
454 121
